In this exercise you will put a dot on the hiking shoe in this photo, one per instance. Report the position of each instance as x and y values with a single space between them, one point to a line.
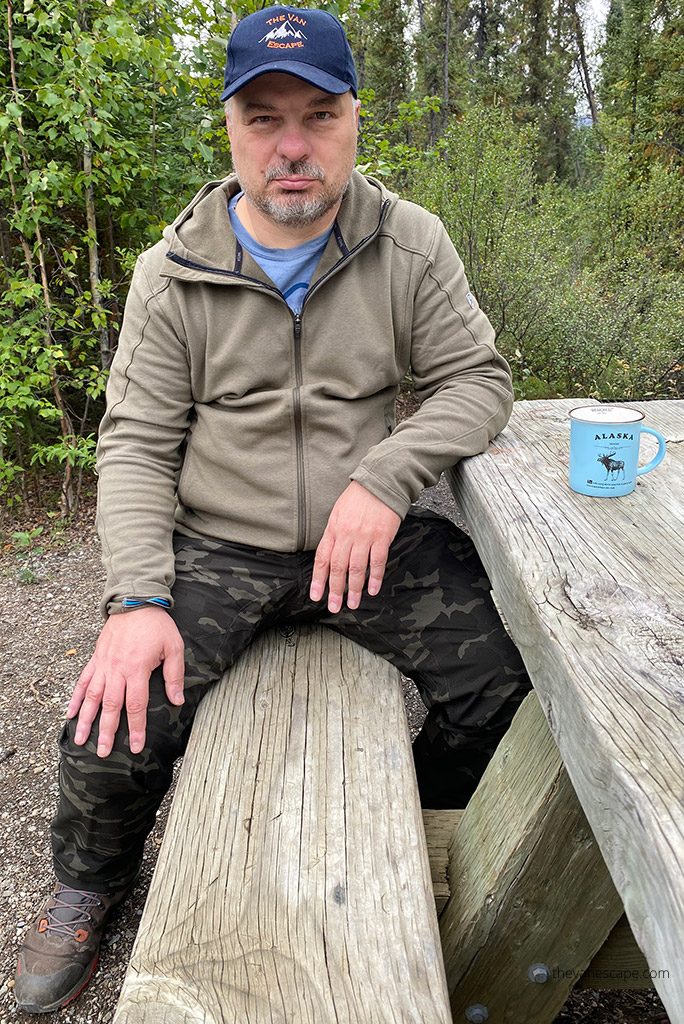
60 950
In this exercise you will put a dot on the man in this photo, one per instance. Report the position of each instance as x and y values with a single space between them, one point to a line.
251 472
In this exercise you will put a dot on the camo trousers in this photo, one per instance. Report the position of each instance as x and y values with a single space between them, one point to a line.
433 619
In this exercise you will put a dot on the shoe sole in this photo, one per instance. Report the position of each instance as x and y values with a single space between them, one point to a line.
64 1000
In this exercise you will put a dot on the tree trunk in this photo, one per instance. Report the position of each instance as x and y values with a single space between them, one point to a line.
585 77
481 33
5 244
93 252
115 318
635 86
20 461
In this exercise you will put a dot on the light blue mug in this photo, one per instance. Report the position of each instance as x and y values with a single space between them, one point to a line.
604 449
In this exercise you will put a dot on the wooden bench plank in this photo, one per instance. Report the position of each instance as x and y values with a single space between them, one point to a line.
593 591
293 884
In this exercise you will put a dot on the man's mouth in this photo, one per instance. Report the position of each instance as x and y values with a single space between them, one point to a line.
298 176
294 184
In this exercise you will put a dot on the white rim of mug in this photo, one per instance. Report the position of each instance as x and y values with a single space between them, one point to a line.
638 414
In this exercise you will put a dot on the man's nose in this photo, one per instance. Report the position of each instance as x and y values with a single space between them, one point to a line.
293 144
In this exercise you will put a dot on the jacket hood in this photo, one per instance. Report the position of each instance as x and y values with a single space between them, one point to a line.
201 234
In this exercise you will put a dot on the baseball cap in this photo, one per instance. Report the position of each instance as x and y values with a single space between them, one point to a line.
311 45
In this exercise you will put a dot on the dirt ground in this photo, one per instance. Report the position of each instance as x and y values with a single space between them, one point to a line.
49 622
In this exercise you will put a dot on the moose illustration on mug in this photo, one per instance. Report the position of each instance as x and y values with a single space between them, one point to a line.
613 467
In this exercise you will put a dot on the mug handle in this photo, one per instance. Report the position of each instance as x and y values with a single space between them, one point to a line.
659 456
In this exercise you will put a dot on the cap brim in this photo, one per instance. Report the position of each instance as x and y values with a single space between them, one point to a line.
297 68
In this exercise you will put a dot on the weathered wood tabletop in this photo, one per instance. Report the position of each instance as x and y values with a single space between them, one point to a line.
593 592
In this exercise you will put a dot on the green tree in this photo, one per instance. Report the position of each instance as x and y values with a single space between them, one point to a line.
642 74
103 132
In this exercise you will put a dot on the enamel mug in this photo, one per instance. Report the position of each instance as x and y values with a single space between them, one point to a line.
604 449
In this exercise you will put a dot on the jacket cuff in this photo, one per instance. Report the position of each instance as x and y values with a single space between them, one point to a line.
399 503
113 597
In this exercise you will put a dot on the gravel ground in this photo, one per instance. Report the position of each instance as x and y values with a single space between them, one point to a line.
49 623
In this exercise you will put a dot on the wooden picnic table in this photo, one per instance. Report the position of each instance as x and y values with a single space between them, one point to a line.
592 590
297 875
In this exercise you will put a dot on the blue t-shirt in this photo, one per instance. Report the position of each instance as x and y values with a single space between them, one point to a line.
290 270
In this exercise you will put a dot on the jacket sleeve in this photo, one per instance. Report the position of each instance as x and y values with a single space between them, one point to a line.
149 404
462 382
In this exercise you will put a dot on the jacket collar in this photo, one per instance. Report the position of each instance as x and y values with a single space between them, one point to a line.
200 239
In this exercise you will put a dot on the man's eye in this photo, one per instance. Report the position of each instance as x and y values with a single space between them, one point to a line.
322 115
261 119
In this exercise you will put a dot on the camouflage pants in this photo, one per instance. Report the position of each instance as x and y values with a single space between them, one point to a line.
433 619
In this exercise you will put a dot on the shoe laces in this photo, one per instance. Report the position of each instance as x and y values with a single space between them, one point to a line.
68 911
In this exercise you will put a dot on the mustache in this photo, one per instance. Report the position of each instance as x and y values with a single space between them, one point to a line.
296 167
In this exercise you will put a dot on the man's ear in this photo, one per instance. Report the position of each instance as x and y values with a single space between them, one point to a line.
357 111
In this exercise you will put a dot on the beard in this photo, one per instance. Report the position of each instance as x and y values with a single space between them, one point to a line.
292 209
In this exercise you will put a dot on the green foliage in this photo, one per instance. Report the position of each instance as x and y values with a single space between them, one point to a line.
25 540
583 287
26 575
572 236
384 149
107 129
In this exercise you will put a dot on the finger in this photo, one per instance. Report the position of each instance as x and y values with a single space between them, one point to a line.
321 567
137 698
92 699
337 578
173 670
378 561
358 564
80 688
111 702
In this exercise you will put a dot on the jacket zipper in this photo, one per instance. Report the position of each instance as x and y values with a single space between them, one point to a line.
299 376
348 255
299 433
182 262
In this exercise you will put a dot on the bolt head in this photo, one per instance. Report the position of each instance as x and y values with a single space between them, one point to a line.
538 973
477 1013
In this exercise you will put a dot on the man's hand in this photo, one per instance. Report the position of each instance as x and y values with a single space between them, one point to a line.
359 531
129 648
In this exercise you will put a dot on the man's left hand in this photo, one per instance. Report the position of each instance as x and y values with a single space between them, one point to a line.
359 532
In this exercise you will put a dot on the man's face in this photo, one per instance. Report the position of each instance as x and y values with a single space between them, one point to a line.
293 147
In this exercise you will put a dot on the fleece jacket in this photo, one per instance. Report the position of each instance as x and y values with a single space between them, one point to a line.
230 417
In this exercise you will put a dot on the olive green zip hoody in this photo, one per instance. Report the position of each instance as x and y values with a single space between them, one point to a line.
230 417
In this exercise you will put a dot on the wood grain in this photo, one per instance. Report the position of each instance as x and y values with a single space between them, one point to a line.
439 831
619 962
293 884
593 592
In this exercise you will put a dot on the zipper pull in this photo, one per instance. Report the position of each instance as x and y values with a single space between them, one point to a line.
297 326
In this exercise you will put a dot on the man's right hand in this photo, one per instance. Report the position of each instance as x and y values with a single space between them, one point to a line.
130 646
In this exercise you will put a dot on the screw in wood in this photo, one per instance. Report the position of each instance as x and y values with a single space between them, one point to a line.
477 1013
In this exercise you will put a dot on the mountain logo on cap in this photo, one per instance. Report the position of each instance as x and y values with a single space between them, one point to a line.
283 32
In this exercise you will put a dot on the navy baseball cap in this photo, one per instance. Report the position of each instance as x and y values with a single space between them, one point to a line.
311 45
